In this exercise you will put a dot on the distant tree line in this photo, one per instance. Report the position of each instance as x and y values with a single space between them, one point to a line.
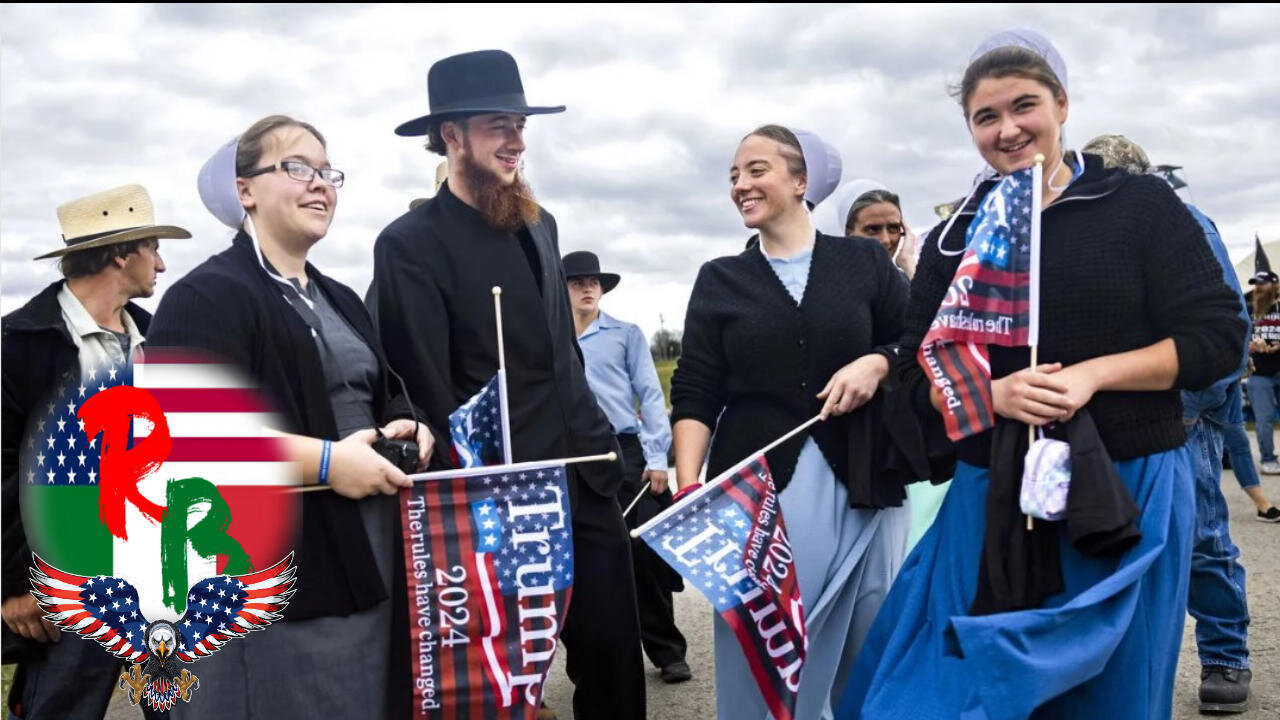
665 345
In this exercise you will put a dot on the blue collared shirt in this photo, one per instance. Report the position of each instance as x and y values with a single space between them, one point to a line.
619 370
792 271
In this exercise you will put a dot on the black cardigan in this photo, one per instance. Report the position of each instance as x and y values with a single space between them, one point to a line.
1123 265
228 305
752 353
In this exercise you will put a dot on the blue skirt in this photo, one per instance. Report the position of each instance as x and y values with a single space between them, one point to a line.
1106 647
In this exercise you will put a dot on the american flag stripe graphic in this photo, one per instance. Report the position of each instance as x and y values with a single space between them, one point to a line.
989 302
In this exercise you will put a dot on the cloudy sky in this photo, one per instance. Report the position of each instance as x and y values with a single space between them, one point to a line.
636 170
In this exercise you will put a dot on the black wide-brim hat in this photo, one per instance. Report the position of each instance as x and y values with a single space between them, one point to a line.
584 264
1264 276
474 83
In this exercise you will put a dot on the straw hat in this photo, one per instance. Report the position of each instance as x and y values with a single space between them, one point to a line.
115 216
442 173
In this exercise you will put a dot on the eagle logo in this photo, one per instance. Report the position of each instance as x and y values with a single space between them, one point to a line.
106 609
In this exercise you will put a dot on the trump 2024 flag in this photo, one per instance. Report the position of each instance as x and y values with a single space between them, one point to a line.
993 299
489 563
728 539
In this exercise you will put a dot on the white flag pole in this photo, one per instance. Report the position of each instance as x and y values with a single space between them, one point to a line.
488 469
502 377
644 488
1033 307
708 484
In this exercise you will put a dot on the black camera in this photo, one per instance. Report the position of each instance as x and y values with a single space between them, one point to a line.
401 453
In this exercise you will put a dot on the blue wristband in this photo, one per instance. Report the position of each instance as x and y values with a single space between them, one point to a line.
325 449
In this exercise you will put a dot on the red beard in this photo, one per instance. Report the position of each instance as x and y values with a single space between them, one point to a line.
505 206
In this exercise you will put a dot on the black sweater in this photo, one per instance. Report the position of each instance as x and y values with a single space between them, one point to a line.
1123 266
228 305
754 354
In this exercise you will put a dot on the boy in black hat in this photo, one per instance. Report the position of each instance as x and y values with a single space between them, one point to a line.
434 269
620 370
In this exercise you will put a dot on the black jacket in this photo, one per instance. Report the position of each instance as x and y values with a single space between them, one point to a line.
230 306
36 350
753 360
1123 265
433 273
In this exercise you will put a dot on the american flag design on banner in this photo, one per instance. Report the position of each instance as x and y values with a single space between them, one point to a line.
729 540
476 427
489 563
988 302
219 501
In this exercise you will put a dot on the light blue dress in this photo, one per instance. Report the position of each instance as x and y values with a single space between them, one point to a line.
845 561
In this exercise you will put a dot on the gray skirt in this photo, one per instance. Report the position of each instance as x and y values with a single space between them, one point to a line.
328 667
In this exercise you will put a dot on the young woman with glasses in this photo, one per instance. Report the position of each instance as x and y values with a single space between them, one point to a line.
309 343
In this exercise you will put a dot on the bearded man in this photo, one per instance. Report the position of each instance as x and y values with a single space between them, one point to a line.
434 270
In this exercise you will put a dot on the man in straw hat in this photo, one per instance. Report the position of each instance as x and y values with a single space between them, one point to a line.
1217 592
434 269
76 324
620 370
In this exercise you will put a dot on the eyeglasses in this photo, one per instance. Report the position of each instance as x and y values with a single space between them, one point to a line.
893 229
301 172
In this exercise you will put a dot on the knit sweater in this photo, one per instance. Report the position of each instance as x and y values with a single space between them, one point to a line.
229 306
752 352
1123 266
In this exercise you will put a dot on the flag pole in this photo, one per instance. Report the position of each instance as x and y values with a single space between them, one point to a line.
502 377
1033 322
644 487
742 463
488 469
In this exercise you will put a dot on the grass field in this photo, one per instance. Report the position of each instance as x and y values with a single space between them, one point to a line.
665 368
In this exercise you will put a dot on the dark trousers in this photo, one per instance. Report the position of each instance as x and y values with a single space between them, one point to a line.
71 679
655 580
602 630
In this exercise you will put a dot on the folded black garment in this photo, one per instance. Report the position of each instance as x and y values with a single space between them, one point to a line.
1019 568
889 447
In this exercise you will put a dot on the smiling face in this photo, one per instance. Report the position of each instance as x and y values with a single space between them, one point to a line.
494 142
282 207
763 187
1013 118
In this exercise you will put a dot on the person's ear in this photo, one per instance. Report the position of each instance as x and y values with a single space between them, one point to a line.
245 193
451 134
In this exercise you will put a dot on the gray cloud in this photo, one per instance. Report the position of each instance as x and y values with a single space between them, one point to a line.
658 99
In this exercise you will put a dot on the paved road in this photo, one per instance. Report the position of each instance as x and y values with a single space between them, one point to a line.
1260 546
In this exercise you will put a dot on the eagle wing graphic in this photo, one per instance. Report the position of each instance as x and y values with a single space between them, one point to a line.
100 608
224 607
